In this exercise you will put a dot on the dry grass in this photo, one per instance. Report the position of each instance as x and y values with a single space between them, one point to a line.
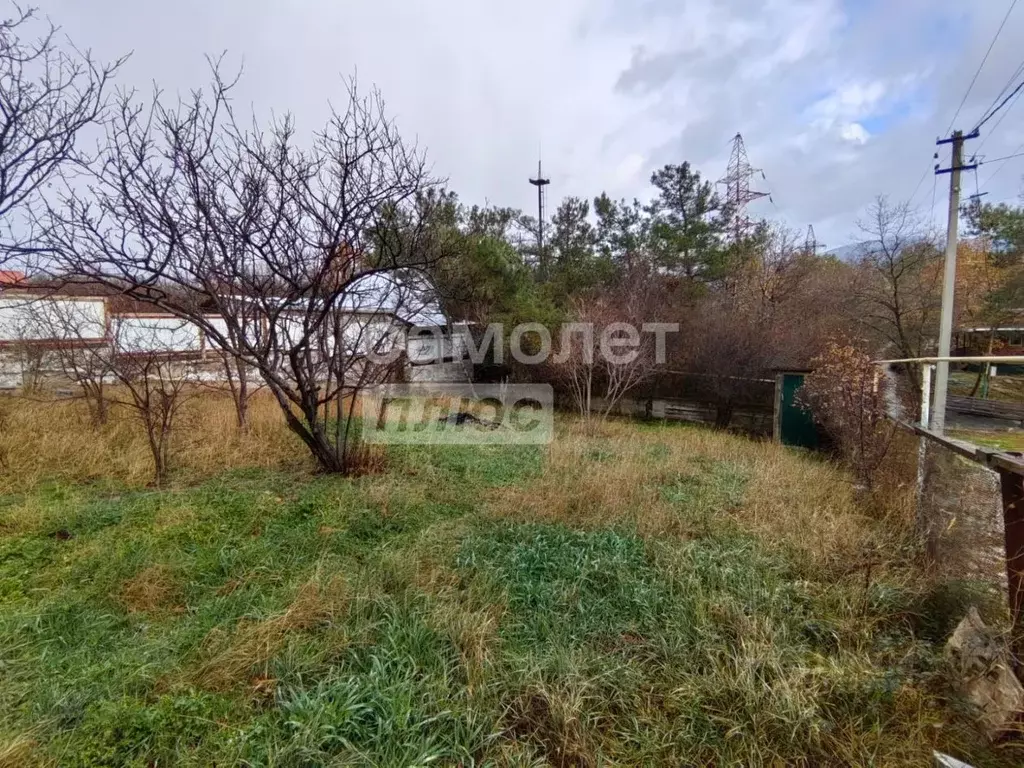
19 752
620 476
591 486
153 590
43 440
244 655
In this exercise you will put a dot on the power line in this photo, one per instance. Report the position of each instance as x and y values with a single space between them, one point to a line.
1017 153
1005 157
991 45
981 66
919 183
999 122
998 201
1006 87
1002 104
970 87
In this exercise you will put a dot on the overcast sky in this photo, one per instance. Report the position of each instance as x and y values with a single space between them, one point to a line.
838 100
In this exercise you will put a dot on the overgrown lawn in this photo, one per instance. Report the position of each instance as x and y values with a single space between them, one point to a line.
638 595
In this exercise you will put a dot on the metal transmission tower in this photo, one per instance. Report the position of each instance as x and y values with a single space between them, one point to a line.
737 187
811 244
540 182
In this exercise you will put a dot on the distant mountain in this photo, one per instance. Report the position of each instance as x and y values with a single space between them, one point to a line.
851 254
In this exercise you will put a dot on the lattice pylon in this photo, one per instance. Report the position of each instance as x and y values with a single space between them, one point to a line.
737 187
811 244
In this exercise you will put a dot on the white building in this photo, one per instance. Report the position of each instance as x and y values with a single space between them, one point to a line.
38 318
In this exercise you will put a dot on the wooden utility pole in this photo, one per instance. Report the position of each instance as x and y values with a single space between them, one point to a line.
938 411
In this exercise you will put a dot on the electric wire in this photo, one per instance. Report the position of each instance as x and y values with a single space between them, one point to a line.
977 72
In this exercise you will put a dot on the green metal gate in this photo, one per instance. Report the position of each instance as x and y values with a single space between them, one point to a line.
795 425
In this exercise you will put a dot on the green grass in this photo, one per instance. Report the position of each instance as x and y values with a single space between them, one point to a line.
1006 441
272 618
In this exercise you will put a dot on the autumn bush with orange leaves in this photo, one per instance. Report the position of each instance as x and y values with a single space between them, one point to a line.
847 395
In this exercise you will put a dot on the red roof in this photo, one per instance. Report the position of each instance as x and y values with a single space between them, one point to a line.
11 276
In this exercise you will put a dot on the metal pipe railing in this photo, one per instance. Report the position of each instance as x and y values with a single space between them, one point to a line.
1011 359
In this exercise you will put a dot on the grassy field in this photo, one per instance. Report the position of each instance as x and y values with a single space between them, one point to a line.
1010 388
631 595
1006 441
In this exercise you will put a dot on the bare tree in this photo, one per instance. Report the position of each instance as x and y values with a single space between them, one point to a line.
777 269
73 339
141 363
303 263
606 355
48 95
240 385
897 285
774 313
730 347
154 378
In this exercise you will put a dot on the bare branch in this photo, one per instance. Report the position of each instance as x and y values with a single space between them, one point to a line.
297 262
48 95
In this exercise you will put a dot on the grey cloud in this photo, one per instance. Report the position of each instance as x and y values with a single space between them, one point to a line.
817 176
610 89
647 72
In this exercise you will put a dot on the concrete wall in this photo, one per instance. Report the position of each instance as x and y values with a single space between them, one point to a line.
48 319
439 373
40 319
142 334
438 346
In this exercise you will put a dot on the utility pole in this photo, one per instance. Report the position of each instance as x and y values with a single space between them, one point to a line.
540 182
938 411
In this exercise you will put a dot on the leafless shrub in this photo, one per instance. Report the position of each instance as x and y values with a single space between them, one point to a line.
607 357
70 336
847 395
153 376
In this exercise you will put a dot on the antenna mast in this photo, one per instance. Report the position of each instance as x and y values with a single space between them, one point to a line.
540 182
737 188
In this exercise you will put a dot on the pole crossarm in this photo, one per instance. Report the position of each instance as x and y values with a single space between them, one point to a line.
972 135
940 171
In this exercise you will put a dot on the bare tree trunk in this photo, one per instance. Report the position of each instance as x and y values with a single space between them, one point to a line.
242 402
984 369
156 447
590 376
309 432
234 370
96 399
